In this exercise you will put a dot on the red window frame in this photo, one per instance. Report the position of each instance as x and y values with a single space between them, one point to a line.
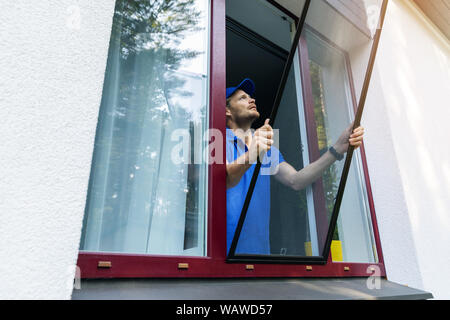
120 265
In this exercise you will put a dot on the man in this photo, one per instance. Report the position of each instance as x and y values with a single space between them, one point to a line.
243 149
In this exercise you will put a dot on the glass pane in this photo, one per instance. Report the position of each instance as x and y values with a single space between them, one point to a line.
316 113
353 239
146 192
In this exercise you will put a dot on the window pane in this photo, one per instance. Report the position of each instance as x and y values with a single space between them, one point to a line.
353 239
146 194
290 208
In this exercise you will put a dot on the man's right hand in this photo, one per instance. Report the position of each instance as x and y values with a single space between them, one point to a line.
260 143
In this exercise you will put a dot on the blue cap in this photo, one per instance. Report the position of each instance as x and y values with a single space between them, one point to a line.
247 85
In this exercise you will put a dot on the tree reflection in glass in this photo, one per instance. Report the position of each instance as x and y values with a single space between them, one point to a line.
155 83
330 176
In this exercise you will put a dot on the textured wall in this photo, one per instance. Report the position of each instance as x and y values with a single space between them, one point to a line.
52 61
406 119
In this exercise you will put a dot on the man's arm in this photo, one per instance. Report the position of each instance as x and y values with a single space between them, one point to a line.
236 170
299 180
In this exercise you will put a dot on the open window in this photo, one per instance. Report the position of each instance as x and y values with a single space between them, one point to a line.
298 223
168 65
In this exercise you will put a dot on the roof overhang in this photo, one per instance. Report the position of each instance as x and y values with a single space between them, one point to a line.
438 11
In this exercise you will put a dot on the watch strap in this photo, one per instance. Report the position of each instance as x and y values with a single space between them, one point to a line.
336 154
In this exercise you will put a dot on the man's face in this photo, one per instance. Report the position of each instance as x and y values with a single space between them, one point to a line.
242 108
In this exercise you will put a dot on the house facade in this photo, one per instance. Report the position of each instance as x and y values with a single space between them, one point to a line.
102 100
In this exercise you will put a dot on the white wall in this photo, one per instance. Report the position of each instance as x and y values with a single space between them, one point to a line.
406 120
52 64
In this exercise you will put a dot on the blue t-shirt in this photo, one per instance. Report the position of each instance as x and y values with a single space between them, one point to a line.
254 237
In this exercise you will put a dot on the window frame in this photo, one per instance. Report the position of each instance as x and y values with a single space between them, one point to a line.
94 265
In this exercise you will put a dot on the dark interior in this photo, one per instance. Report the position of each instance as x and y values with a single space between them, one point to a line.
251 56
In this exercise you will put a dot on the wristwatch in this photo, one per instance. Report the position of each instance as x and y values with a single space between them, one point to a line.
336 154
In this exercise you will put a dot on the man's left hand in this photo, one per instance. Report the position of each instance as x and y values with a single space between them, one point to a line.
347 138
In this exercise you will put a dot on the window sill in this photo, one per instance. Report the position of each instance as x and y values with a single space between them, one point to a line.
244 289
